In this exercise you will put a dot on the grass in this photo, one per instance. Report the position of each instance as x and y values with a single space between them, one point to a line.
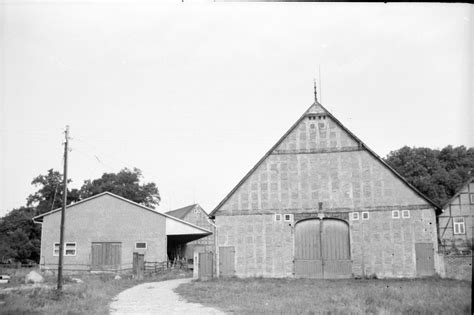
93 296
307 296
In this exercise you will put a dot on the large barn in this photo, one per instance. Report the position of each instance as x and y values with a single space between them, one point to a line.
102 233
321 204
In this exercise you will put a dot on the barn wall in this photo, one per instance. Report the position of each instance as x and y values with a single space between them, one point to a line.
380 246
458 267
104 219
263 247
385 247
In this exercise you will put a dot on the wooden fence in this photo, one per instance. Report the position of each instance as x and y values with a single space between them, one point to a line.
17 265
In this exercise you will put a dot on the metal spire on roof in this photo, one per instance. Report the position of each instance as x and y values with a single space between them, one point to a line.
315 91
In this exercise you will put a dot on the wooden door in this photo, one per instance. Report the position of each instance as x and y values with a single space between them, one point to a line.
106 255
308 255
336 249
322 249
138 265
424 259
206 266
226 261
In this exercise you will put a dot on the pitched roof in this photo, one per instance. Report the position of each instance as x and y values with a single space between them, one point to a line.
181 212
39 218
313 110
459 191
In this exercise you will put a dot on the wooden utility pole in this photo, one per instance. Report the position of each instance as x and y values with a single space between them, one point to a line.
63 214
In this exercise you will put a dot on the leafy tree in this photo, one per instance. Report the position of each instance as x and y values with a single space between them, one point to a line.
20 236
49 196
436 173
125 183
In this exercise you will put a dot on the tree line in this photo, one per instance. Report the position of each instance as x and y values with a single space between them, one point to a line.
438 174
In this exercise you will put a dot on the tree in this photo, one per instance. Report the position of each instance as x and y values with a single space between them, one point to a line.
49 196
436 173
20 236
125 183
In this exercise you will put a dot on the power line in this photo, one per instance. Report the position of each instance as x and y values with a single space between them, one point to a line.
56 189
99 157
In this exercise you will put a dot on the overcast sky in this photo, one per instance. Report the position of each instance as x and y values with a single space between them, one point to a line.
195 94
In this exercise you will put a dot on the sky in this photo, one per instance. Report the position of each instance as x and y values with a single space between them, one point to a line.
194 94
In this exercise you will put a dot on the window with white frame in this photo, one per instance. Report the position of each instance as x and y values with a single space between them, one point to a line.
365 215
288 217
395 214
459 226
277 217
405 214
70 249
471 198
355 216
140 245
56 249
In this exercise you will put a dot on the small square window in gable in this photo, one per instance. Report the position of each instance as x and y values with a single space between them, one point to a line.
355 216
395 214
365 215
405 214
278 217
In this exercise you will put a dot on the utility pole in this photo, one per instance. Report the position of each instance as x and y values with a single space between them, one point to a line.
63 214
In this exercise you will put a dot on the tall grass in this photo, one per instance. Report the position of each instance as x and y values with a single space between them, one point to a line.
305 296
93 296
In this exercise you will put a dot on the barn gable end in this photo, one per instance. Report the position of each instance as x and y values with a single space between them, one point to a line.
321 204
319 160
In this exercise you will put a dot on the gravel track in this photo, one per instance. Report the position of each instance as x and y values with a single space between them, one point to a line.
157 298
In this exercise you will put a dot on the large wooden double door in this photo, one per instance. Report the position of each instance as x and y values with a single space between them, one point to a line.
322 249
106 255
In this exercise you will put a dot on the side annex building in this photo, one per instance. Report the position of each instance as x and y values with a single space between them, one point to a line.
103 232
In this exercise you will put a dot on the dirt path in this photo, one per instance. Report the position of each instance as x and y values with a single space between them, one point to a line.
156 298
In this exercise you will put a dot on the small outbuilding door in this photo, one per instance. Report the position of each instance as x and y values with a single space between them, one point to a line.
106 255
226 261
322 249
424 259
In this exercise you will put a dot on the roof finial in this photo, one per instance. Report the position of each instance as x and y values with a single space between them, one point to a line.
315 91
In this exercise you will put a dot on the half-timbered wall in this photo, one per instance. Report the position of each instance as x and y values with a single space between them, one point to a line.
319 169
